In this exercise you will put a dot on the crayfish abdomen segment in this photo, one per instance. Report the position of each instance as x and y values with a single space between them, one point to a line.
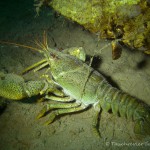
127 106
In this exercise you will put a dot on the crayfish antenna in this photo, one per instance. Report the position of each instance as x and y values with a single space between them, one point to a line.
45 39
44 45
21 45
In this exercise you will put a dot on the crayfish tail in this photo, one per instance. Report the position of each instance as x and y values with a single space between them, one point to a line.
142 122
142 128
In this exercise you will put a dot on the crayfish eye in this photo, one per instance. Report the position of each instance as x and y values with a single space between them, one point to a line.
53 55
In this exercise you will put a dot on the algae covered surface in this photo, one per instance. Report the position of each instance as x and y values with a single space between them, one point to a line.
19 130
127 20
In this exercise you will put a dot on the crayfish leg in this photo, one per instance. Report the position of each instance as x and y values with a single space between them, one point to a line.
50 107
96 120
59 99
59 112
42 112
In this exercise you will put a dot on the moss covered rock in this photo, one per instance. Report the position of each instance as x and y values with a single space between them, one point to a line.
128 20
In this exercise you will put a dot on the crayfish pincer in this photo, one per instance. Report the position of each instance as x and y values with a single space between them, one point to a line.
13 86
